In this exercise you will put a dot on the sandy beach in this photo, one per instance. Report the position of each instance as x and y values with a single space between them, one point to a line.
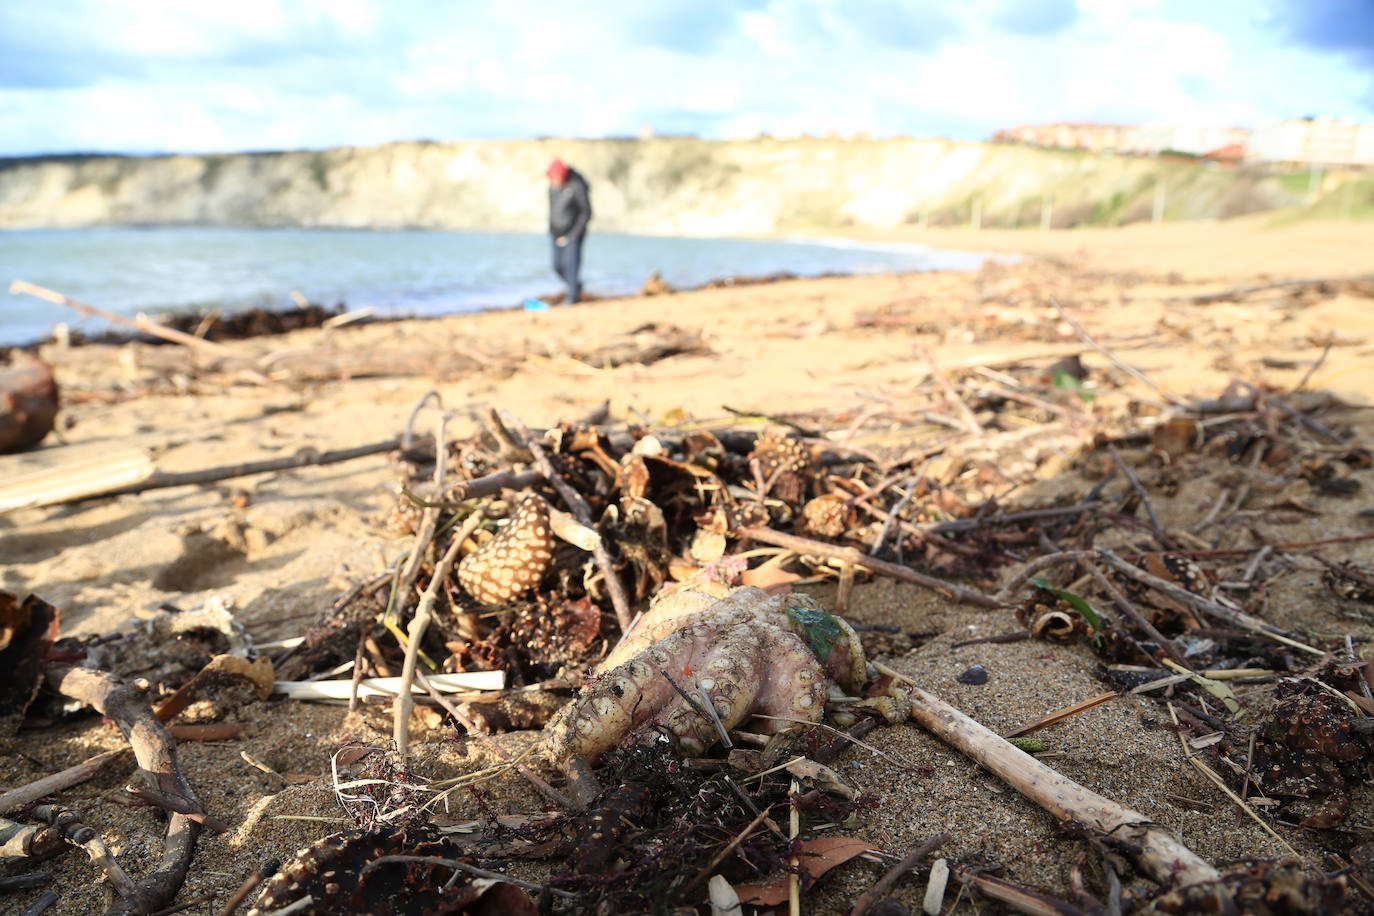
279 548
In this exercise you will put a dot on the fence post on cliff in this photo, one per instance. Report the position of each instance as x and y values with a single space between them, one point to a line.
1157 216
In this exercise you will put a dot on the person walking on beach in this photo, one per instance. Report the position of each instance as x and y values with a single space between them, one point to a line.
570 209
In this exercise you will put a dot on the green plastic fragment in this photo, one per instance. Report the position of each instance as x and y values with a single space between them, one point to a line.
1072 383
821 629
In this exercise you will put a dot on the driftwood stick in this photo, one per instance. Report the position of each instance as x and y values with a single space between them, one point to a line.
1130 611
178 805
1116 360
1205 605
78 834
1161 854
140 323
1059 715
305 457
1010 518
965 413
877 891
250 883
1021 899
1164 540
71 776
416 632
853 556
29 841
619 600
424 532
155 751
1007 594
1237 292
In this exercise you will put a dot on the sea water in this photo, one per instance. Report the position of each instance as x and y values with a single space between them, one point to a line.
128 270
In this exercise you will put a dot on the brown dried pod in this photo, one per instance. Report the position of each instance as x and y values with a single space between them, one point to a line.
514 561
1057 625
826 516
776 452
1346 580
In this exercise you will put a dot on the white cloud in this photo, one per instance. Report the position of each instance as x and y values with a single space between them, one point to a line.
158 74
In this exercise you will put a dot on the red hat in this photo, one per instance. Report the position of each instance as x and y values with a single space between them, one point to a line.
557 170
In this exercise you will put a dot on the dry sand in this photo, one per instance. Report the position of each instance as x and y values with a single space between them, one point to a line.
304 534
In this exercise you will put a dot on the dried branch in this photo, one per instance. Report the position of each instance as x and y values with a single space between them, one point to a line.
876 892
155 751
857 558
619 600
1116 360
71 776
306 457
1160 854
416 631
140 323
1205 605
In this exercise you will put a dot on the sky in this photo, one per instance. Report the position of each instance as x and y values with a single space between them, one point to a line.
143 76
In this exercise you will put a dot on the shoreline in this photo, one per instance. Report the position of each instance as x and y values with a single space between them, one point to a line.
1189 249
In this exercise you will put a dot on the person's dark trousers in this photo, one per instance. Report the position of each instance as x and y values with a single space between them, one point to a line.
567 263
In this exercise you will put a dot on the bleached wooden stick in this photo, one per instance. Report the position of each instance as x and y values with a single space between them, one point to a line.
388 686
1162 855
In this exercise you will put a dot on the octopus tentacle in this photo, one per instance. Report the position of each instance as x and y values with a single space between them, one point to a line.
749 653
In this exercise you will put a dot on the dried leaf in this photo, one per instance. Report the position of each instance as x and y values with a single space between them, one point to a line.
768 577
27 632
818 856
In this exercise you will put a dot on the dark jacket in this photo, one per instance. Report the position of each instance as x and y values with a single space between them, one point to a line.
569 206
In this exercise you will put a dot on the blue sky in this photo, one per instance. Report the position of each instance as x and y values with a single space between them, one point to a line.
155 75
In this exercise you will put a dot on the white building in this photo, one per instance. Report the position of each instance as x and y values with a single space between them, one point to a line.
1313 141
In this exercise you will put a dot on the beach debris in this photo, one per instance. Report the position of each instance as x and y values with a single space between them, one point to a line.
1158 852
59 479
974 675
386 870
1267 887
141 323
27 631
515 560
696 667
1061 468
1347 580
28 403
132 471
655 285
1309 747
155 751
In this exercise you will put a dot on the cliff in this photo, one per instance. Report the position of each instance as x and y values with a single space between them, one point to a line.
670 185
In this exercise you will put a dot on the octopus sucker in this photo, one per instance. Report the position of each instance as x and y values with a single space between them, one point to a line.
762 662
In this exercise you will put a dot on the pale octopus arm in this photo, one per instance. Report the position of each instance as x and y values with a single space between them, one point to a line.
743 651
